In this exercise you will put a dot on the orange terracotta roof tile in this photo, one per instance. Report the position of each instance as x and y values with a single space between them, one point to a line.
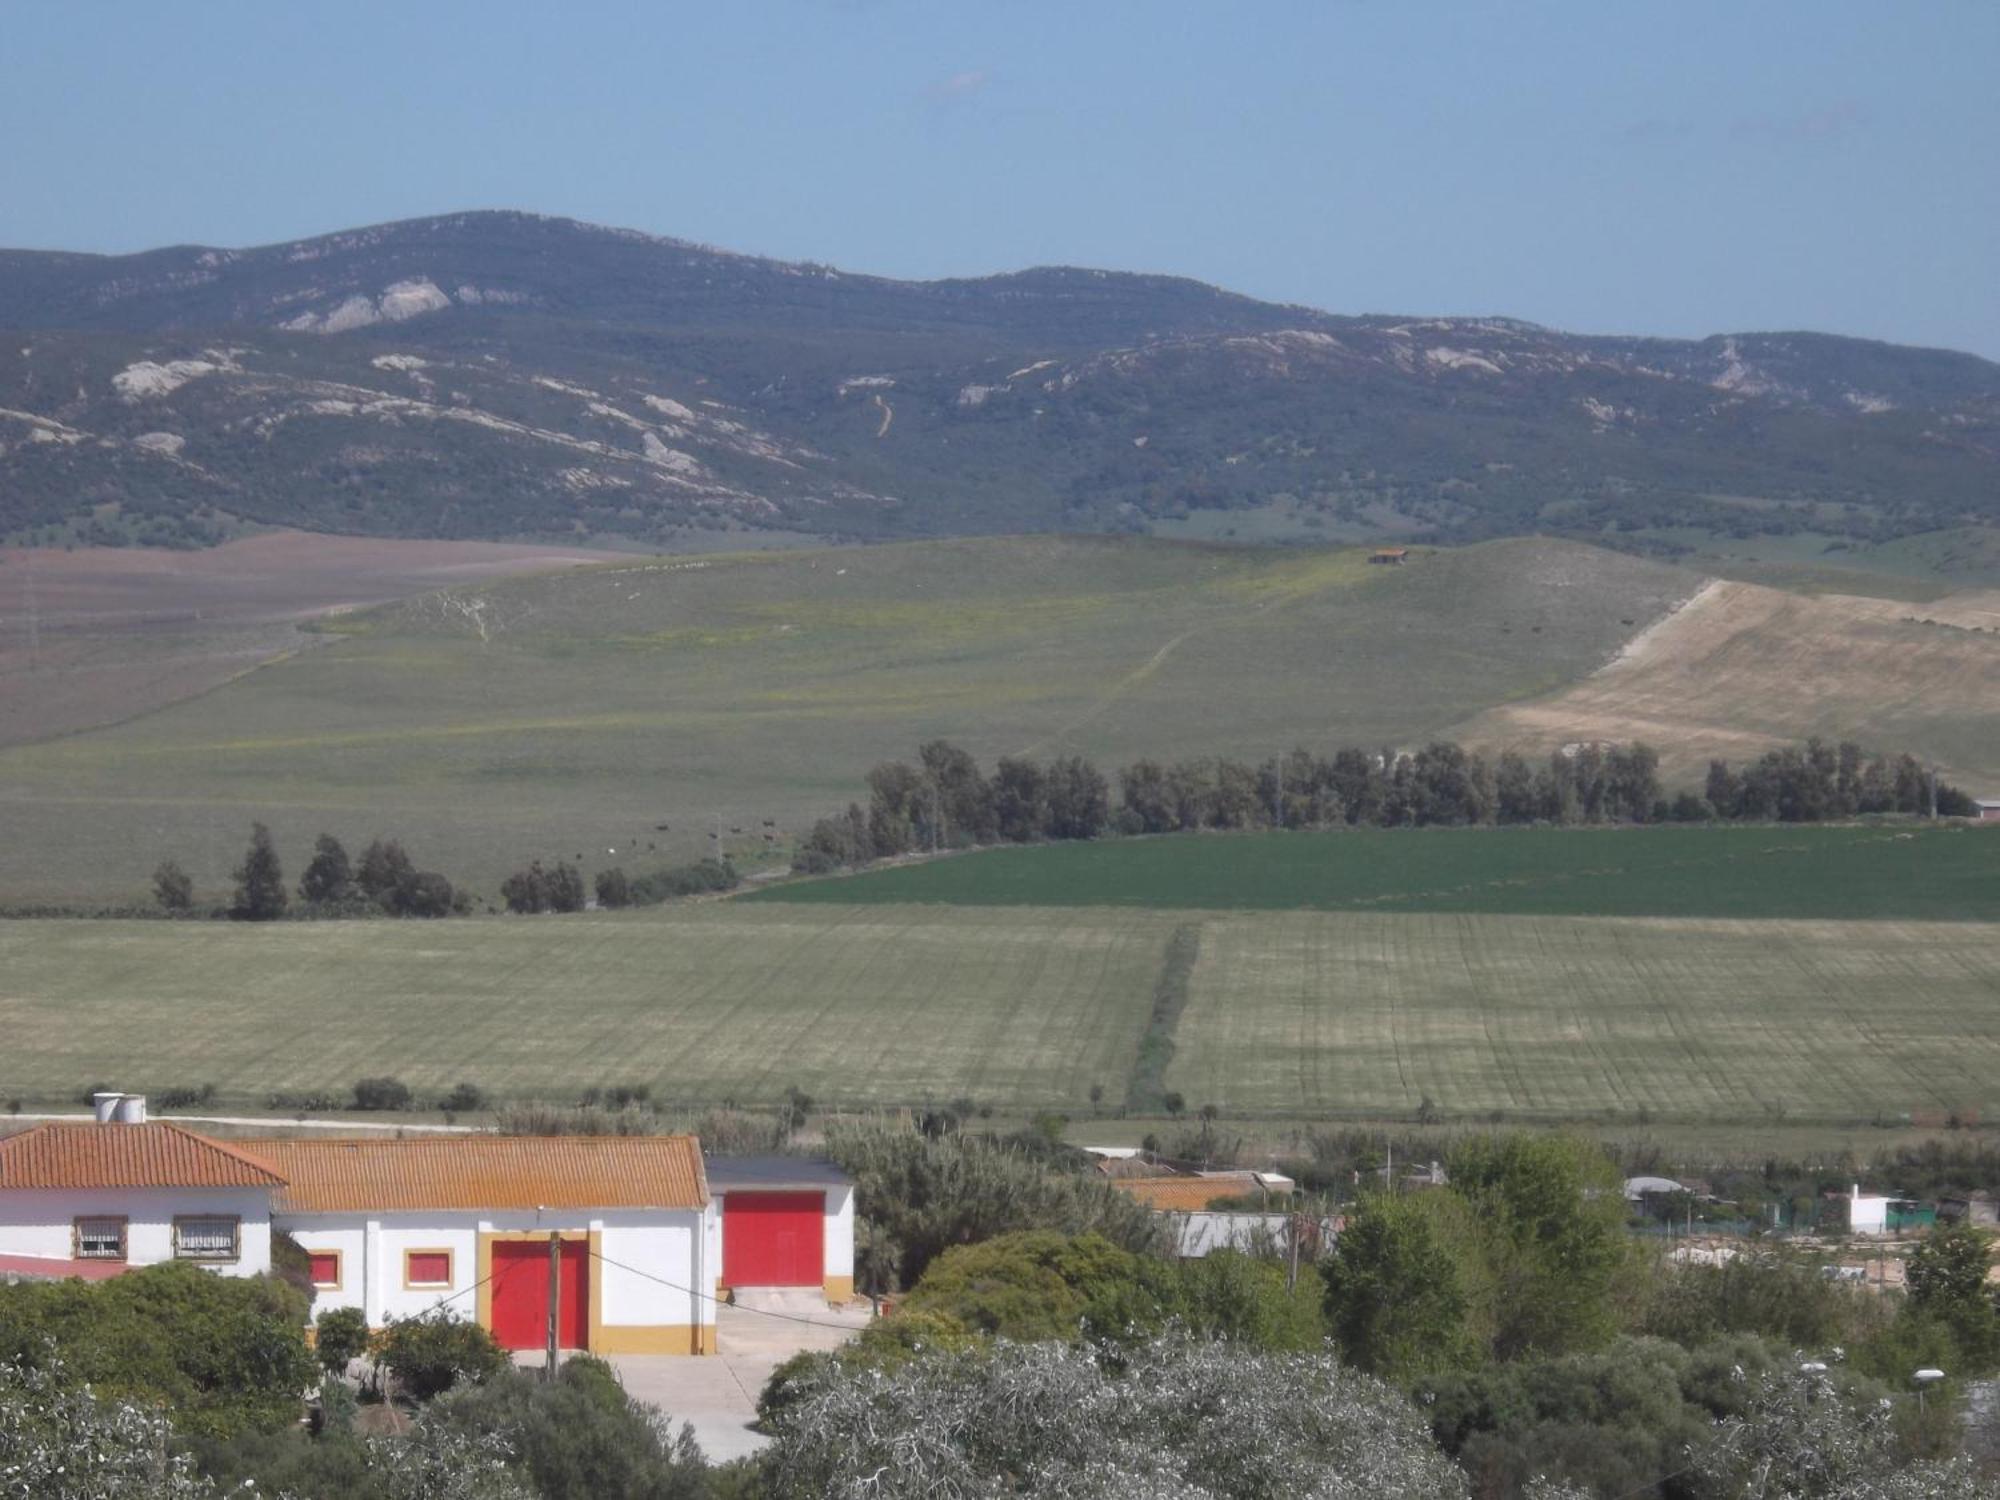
1186 1194
62 1155
487 1171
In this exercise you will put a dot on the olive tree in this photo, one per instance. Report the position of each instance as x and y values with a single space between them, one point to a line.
60 1441
1173 1419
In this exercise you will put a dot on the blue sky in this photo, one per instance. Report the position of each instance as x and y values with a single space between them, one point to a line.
1676 168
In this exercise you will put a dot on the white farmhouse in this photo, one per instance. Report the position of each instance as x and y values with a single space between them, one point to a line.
476 1225
86 1195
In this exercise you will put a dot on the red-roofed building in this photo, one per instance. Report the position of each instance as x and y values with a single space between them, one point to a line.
475 1224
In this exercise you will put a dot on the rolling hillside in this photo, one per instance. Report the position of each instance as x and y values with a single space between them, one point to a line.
505 375
572 714
628 714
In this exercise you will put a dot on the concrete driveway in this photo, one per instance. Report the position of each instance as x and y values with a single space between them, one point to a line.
718 1394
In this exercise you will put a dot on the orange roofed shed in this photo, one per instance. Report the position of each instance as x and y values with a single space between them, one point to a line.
467 1172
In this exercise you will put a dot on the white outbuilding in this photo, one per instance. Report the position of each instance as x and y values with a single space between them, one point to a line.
637 1243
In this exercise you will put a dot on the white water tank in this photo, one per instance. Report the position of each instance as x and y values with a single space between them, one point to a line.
114 1108
105 1101
132 1109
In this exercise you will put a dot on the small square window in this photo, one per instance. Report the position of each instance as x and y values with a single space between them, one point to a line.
324 1268
100 1239
427 1268
209 1237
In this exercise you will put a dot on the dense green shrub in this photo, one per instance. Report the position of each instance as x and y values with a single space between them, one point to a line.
927 1194
381 1093
223 1352
1408 1288
703 877
579 1438
1171 1417
1038 1284
1765 1292
430 1354
340 1336
61 1440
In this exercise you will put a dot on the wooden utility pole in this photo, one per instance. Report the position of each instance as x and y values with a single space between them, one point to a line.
555 1303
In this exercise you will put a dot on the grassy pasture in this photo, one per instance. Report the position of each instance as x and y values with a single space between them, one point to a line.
703 1005
1289 1014
569 715
1558 1018
1852 873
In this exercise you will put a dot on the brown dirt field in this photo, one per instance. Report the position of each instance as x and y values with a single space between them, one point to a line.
99 634
1740 668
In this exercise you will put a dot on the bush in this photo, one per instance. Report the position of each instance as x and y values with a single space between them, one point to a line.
704 877
535 889
1769 1294
613 889
60 1440
340 1336
463 1099
382 1093
172 887
1176 1417
225 1353
430 1354
580 1438
1038 1284
186 1096
929 1194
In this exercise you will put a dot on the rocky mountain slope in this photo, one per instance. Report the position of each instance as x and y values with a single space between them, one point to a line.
507 375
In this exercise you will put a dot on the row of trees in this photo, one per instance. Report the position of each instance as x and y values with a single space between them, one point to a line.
1818 781
944 801
385 880
560 887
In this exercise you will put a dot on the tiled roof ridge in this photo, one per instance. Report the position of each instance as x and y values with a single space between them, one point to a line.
225 1147
50 1132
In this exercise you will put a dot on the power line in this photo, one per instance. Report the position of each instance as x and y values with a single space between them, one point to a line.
762 1312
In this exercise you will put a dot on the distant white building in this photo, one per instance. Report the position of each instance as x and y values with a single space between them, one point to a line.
1867 1213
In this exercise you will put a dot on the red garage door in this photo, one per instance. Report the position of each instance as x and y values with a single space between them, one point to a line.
772 1239
521 1294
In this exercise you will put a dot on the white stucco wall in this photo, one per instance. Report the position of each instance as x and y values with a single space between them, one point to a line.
840 1231
1867 1214
667 1246
40 1221
646 1244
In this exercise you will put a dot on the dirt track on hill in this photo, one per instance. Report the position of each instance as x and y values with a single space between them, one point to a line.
1740 668
99 634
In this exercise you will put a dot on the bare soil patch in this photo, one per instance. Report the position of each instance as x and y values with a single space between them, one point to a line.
1740 668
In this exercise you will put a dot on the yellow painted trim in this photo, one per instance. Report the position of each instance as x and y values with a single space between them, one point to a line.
840 1288
657 1338
594 1333
450 1269
594 1258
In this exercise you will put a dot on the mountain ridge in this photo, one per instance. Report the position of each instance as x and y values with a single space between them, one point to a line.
499 373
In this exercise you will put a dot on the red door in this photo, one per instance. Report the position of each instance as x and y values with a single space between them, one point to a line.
521 1294
772 1239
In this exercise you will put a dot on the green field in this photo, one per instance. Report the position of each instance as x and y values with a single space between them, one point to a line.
707 1004
569 715
1852 873
1298 1014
